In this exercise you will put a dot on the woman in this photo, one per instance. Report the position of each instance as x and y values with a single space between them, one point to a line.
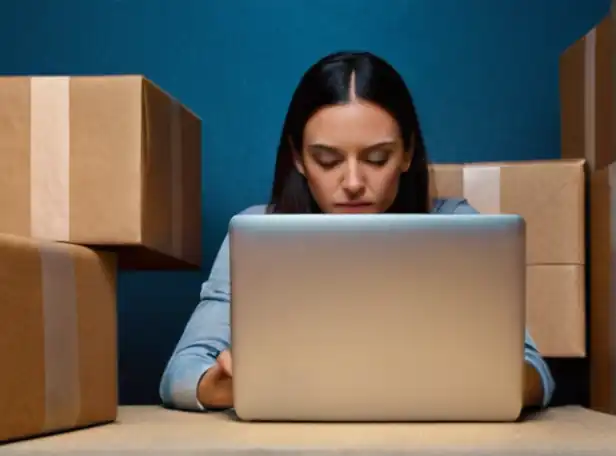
351 142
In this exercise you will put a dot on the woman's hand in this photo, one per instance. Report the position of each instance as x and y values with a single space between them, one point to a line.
533 387
224 361
216 386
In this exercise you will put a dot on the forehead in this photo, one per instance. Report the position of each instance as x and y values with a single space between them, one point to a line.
355 124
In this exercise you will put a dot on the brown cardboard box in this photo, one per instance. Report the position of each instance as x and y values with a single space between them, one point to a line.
603 290
107 161
556 314
587 118
57 337
550 196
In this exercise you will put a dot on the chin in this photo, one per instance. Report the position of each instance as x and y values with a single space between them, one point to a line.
371 209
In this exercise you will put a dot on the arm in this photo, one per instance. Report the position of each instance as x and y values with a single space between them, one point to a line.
192 379
539 384
538 381
205 336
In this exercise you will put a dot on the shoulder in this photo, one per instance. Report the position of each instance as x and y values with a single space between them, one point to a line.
218 281
452 206
258 209
222 259
440 206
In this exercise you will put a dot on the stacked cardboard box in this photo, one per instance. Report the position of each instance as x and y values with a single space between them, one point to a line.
57 337
110 162
588 130
100 173
550 197
603 289
586 98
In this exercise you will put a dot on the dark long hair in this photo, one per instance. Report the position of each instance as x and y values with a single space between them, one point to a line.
327 83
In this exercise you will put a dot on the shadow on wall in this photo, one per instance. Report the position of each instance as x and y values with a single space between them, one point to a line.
483 74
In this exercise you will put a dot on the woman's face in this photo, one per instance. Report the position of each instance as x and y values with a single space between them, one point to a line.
352 158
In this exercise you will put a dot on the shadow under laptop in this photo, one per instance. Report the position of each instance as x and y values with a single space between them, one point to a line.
527 414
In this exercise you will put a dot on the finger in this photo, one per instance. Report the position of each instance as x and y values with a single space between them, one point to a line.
224 359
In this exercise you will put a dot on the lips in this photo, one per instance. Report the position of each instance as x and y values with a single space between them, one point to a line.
354 204
355 207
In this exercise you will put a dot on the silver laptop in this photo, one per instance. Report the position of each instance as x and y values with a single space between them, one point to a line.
377 317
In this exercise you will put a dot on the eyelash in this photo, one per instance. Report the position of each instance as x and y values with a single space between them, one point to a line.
329 165
333 164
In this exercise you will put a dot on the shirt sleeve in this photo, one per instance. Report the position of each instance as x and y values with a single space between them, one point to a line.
531 354
207 334
534 358
461 206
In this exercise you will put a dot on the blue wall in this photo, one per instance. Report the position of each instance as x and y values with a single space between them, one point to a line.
484 74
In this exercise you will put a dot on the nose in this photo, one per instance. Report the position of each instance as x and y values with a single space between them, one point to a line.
353 182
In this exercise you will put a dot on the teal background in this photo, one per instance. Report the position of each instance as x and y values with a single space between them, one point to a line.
484 74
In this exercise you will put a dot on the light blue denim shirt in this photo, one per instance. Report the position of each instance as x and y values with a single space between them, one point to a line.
208 330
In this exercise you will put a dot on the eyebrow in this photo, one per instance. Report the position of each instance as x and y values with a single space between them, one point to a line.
327 148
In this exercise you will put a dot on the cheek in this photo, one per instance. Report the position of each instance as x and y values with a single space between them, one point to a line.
385 182
322 184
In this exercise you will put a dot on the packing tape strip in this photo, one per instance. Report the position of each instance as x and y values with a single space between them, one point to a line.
590 45
62 384
49 157
176 179
481 188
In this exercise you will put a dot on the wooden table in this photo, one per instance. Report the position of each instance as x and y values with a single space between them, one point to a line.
155 431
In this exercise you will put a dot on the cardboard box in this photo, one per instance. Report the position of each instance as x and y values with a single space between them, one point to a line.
109 161
556 313
550 196
586 92
58 337
603 290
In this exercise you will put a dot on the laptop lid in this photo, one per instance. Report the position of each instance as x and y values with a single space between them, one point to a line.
377 317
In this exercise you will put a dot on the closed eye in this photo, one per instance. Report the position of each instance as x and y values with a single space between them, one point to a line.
326 157
378 157
329 164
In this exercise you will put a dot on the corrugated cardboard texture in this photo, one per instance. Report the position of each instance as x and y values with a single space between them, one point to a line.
602 291
548 194
154 431
23 387
585 78
556 317
133 155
